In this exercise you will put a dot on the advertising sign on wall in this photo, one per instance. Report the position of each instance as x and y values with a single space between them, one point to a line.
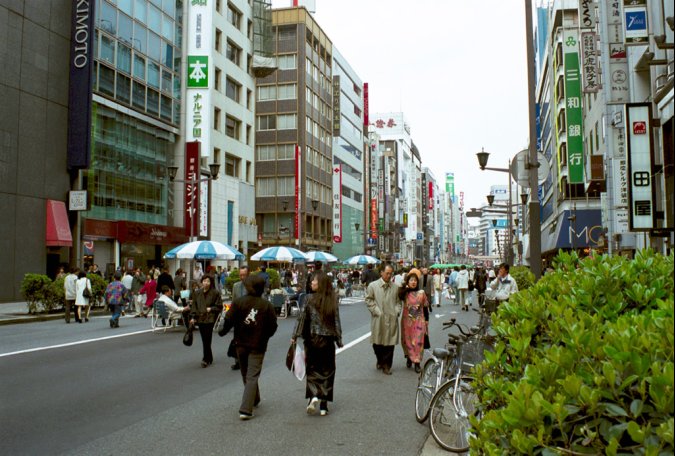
590 62
635 21
198 99
573 108
641 190
366 105
337 203
191 190
80 84
298 191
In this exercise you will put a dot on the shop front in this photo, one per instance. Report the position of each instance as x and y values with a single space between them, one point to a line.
128 244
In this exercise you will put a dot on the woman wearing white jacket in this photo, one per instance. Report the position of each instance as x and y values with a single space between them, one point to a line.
81 302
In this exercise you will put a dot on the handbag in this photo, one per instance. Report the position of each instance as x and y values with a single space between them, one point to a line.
188 338
299 362
290 355
86 293
219 325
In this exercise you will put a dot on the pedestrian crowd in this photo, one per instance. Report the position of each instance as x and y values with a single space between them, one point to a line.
399 303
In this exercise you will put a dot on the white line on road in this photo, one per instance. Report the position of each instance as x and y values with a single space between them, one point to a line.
352 343
70 344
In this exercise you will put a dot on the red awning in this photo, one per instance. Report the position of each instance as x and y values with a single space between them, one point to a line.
58 228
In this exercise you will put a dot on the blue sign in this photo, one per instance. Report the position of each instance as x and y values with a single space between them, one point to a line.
420 236
371 241
636 20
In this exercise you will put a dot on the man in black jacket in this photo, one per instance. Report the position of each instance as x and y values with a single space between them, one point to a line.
254 321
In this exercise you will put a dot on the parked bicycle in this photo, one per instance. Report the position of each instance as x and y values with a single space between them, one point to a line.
455 401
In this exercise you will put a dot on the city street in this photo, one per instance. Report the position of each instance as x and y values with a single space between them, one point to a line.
87 389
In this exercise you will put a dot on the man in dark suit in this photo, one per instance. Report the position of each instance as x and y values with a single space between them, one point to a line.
238 290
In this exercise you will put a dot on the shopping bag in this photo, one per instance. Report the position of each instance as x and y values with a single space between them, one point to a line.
299 362
219 326
289 356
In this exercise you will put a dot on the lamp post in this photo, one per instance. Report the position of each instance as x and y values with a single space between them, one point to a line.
315 206
172 171
482 163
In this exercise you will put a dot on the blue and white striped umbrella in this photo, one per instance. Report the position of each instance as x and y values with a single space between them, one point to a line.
279 254
205 250
361 259
323 257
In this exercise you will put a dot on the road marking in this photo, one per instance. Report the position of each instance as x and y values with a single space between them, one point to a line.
352 343
70 344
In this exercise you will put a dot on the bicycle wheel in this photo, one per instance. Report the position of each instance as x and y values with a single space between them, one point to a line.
450 426
426 386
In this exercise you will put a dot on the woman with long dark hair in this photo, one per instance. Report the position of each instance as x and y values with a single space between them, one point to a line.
413 322
319 326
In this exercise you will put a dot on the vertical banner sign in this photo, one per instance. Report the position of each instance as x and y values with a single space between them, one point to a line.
336 106
616 49
431 195
587 14
80 84
641 190
373 218
204 208
198 98
591 63
337 204
298 191
191 189
366 105
573 111
635 21
450 184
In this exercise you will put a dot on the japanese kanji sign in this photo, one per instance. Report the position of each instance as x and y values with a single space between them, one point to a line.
337 203
198 107
641 190
198 71
573 108
191 188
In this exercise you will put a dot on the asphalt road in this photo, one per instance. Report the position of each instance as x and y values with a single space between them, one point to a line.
73 389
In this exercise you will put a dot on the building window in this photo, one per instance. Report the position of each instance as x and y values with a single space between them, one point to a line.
232 165
266 153
267 92
232 127
219 41
248 135
287 121
288 91
232 89
216 119
265 186
287 62
249 95
233 53
233 16
286 152
217 79
268 122
287 33
217 155
249 167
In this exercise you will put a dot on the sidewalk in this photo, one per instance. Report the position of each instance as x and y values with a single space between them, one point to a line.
17 312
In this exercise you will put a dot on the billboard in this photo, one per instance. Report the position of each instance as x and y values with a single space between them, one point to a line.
198 105
573 108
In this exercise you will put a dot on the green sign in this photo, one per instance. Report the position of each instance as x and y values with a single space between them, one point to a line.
573 110
198 71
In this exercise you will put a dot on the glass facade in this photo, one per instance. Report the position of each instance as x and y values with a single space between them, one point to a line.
129 159
149 34
137 64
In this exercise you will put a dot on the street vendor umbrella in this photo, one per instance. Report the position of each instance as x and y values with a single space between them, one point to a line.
361 259
279 254
205 250
323 257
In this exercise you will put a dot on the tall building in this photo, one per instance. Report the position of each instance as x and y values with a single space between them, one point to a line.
294 136
35 235
348 158
430 218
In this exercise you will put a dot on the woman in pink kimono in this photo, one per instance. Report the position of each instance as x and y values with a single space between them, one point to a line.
413 323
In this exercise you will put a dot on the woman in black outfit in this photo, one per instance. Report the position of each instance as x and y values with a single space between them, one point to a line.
205 307
319 327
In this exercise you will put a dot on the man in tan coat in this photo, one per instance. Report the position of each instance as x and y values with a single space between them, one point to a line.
385 307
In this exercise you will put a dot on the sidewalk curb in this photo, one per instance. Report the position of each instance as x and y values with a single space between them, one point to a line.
29 318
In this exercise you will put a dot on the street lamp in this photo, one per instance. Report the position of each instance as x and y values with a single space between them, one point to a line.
315 205
482 163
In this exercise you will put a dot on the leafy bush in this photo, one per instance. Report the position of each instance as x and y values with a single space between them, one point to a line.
34 289
98 286
232 278
55 295
583 362
523 276
274 277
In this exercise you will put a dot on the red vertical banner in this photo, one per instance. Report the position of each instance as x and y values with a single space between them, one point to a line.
366 103
191 188
298 190
431 195
373 218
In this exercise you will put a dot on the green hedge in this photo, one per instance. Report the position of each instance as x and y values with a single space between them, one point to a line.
583 362
44 295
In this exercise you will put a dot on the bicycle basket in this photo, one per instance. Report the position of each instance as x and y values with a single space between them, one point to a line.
471 353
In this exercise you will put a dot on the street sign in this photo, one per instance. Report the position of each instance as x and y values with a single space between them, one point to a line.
519 172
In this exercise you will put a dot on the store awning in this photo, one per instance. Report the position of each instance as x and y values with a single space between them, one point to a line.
58 227
575 229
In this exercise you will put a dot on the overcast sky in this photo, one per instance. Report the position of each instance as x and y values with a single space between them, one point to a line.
456 69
